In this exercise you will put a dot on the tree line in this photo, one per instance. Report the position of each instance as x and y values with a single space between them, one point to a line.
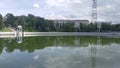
35 23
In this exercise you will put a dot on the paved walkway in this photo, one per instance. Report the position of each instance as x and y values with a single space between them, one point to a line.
107 34
12 29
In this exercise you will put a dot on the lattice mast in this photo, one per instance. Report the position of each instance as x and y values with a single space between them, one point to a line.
94 11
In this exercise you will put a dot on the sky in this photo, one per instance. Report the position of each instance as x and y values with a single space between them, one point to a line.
108 10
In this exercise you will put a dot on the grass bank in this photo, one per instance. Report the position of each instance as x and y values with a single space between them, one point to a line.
5 30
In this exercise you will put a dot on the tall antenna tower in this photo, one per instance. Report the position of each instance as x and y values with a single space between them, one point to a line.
94 11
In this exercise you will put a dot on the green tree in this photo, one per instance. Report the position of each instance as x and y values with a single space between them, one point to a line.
68 27
9 19
21 20
82 27
50 25
91 27
106 27
117 27
1 22
40 24
57 26
30 22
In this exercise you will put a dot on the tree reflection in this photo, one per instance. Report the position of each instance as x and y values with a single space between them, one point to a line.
30 44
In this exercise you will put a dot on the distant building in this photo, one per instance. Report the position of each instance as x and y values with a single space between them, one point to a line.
76 22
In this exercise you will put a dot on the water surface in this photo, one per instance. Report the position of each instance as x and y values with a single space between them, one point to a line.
60 52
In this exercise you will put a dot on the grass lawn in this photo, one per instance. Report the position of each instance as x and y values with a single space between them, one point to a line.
5 30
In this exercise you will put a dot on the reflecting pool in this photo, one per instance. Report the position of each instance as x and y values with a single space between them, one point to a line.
60 52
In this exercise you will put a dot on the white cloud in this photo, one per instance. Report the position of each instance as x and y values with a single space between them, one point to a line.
3 5
62 3
110 7
56 3
36 5
81 9
69 9
62 9
55 16
77 1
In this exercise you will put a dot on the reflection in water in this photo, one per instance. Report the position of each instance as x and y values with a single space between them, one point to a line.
60 52
93 55
19 38
32 43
